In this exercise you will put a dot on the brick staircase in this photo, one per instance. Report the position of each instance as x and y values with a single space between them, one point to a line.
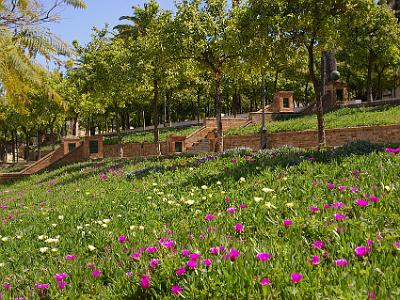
200 146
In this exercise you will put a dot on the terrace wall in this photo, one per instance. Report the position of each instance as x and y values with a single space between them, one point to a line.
309 139
136 149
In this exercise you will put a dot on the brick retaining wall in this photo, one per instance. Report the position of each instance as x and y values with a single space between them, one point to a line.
137 149
309 139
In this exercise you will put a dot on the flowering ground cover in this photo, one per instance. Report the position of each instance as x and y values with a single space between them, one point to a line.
282 224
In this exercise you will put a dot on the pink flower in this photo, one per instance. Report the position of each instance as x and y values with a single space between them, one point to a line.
337 204
151 249
263 256
42 286
340 217
91 266
314 209
61 284
70 257
185 252
96 273
239 228
361 202
167 243
194 256
227 199
122 239
287 223
231 210
369 243
135 256
354 189
315 260
6 286
371 295
176 289
145 281
355 172
342 187
341 262
232 254
296 277
129 274
362 250
374 198
153 263
60 276
243 206
397 245
209 217
192 264
265 281
180 271
221 248
326 206
207 262
318 244
330 186
213 250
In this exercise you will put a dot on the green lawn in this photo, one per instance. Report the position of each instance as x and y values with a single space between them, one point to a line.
237 226
148 136
345 117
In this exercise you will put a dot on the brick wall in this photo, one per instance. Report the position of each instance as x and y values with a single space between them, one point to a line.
309 139
137 149
227 123
45 162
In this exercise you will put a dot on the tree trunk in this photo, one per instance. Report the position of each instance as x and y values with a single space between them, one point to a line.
27 152
198 106
13 145
220 142
119 137
165 110
369 78
155 117
320 105
38 145
318 96
263 95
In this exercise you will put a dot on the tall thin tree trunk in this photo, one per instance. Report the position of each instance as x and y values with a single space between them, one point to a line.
198 106
220 142
119 137
165 110
263 139
369 78
155 117
39 142
27 147
320 105
13 146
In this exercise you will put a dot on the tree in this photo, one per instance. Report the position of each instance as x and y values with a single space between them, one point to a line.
207 32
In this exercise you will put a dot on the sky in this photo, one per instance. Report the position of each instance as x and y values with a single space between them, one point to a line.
77 24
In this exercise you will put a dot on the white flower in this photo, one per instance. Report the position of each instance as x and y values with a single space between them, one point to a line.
203 198
132 227
5 239
18 237
204 187
190 169
141 227
2 265
267 190
106 221
154 183
79 227
54 249
171 202
219 182
54 225
119 216
189 202
61 217
242 179
51 241
91 247
42 237
258 199
290 204
149 198
269 205
105 225
43 249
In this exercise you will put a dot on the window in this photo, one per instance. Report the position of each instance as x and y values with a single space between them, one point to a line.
93 147
71 147
339 95
286 103
178 147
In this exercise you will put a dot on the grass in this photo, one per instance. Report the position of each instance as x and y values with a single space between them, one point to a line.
148 136
342 118
13 167
114 228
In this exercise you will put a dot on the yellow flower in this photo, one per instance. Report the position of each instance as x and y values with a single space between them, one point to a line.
290 204
267 190
43 249
269 205
91 247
